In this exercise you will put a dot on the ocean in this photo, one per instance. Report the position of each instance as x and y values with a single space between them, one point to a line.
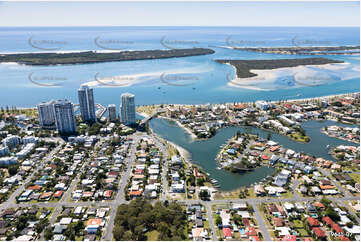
188 80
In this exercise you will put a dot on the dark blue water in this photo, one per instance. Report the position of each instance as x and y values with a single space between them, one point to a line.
209 78
204 152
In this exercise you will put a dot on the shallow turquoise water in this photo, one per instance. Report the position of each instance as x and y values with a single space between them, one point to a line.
209 78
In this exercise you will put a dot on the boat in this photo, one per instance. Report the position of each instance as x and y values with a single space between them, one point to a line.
327 146
218 168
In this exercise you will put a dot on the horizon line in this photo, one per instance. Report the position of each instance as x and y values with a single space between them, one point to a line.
214 26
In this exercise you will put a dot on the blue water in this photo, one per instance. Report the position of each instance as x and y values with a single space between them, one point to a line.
204 152
208 79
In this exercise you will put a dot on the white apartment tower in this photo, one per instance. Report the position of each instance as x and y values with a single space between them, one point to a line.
46 114
127 109
86 104
112 113
64 117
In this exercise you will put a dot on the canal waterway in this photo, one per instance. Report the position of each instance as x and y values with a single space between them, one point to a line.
204 152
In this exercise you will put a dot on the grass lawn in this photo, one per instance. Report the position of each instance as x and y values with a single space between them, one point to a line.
206 224
79 238
287 194
302 232
267 222
355 177
298 223
152 235
227 195
251 193
299 137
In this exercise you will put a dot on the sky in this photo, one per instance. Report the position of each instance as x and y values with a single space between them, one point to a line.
179 14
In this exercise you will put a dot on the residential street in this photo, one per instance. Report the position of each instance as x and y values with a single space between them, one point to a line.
130 159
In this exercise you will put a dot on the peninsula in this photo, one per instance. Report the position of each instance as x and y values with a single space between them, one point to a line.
88 57
302 50
244 67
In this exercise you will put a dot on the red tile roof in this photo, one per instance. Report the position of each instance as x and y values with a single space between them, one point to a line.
46 195
227 232
337 228
312 221
251 231
318 204
35 187
245 222
254 238
95 221
289 238
108 193
58 194
319 232
327 220
265 157
135 193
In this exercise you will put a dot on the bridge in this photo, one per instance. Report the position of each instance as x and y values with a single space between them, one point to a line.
146 120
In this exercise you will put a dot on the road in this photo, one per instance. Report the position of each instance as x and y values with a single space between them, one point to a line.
340 188
261 223
253 201
20 189
211 221
119 199
163 150
130 159
295 183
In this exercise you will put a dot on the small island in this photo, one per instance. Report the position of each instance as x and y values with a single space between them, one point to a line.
237 155
303 50
88 57
244 67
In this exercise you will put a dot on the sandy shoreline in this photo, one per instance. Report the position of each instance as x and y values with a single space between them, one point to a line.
266 80
193 136
321 97
183 152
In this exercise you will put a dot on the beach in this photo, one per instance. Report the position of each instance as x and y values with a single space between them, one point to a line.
294 77
183 152
191 134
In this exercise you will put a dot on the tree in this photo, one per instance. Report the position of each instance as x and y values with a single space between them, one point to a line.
218 220
41 225
48 234
204 195
133 220
332 214
13 169
200 181
118 232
